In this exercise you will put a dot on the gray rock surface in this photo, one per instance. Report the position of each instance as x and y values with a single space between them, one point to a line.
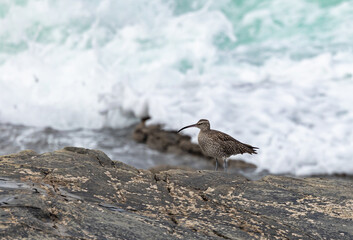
77 193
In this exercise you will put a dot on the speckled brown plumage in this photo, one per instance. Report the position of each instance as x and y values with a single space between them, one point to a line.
219 145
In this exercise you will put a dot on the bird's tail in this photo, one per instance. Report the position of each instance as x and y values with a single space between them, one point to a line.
249 149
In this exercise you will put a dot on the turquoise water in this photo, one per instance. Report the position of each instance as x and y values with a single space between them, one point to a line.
308 26
274 73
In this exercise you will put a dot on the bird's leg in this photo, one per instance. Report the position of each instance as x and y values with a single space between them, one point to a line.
225 164
216 168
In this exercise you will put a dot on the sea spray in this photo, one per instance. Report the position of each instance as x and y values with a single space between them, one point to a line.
277 74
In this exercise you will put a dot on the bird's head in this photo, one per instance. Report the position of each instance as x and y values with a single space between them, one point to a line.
202 124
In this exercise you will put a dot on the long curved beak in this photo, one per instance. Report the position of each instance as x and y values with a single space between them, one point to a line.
193 125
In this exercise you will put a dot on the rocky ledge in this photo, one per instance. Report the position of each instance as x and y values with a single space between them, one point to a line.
77 193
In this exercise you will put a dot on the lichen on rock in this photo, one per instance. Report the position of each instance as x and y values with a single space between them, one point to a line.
82 194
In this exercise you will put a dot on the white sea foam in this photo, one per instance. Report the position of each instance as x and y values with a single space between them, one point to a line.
256 74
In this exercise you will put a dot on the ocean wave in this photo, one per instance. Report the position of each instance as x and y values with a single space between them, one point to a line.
275 74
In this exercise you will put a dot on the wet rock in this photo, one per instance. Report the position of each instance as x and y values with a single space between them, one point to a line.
77 193
187 146
165 141
141 132
240 164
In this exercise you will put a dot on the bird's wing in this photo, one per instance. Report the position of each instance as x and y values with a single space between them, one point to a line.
232 146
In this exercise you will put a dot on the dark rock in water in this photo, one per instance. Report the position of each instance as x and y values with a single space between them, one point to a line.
166 141
76 193
189 147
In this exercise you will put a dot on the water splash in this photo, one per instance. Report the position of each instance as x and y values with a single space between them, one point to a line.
273 73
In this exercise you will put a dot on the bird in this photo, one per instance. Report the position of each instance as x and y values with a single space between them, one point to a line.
219 145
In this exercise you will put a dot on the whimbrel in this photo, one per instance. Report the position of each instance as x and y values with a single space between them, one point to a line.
219 145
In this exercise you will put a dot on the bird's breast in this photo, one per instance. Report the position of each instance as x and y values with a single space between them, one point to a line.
208 146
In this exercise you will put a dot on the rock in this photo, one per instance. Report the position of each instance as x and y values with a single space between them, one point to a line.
175 150
240 164
189 147
139 135
81 194
165 141
162 168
